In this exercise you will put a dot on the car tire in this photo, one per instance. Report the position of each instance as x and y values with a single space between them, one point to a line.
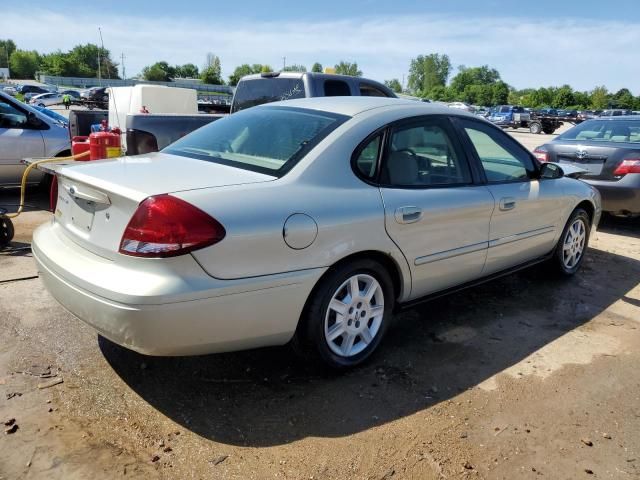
6 231
573 242
549 130
344 340
535 127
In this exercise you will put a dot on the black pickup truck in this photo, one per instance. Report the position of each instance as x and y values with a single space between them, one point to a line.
152 132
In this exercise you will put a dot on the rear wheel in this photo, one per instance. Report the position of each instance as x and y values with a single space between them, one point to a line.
347 315
572 246
549 130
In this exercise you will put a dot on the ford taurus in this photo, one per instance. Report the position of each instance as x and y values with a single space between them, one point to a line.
304 221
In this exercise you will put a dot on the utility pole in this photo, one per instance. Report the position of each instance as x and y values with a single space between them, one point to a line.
124 75
284 63
99 52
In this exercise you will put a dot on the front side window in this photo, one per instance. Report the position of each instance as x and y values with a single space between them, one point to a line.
502 159
268 140
11 117
422 155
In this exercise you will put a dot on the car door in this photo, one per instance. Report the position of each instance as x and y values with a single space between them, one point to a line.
434 210
527 216
17 141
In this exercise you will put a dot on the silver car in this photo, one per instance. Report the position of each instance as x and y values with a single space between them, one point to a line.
305 221
27 132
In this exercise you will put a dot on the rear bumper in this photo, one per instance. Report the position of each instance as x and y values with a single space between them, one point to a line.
179 310
622 196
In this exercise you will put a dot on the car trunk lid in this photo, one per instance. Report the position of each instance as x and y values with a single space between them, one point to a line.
599 160
97 199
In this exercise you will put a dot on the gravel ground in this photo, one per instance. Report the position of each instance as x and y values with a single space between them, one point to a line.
523 377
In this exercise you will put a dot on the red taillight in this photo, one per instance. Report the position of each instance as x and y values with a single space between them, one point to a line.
541 154
165 226
629 165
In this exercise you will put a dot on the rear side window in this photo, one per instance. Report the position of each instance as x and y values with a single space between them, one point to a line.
250 93
423 155
11 117
367 159
627 131
268 140
336 88
367 90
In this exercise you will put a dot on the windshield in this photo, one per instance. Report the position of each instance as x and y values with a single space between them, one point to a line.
250 93
627 131
266 140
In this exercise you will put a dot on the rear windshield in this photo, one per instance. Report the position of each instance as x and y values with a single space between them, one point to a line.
265 140
627 131
250 93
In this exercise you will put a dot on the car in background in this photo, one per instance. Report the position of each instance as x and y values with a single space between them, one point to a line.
547 111
270 87
608 148
26 132
567 113
615 112
588 114
10 90
303 221
512 116
75 94
46 99
95 94
461 106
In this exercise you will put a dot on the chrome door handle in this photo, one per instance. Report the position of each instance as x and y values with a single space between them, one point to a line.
408 214
507 203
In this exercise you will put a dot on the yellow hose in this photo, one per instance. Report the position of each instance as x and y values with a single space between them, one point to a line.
23 185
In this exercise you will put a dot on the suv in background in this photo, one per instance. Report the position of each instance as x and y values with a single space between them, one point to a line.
270 87
615 112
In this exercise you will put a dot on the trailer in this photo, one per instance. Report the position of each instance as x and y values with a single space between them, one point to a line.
509 116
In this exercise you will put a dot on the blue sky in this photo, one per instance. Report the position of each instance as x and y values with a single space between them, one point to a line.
582 43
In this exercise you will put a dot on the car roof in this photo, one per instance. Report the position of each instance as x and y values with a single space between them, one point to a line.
616 118
352 106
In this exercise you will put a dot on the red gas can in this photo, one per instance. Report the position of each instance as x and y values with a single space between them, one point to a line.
80 145
104 144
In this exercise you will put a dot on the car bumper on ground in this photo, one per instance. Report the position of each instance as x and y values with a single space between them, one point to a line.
159 316
622 196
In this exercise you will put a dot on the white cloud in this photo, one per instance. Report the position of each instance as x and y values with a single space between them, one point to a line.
527 53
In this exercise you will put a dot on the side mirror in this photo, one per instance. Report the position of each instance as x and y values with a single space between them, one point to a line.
550 170
33 121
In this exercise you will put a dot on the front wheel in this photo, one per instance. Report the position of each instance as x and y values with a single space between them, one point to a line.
535 127
572 246
347 315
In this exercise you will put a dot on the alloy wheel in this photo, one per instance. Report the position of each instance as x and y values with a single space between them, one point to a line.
574 243
354 315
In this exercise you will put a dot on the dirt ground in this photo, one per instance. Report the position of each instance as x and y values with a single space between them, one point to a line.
523 377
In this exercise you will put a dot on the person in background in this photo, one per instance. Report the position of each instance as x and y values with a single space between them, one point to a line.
144 109
66 100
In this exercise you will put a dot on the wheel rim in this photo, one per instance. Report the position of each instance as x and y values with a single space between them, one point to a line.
354 316
574 243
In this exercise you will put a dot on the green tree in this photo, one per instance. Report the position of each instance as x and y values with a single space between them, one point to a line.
499 94
581 100
57 63
427 72
7 47
159 72
473 76
24 64
294 68
266 69
212 71
623 99
243 70
563 97
599 98
394 84
439 93
85 58
317 67
347 68
188 70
